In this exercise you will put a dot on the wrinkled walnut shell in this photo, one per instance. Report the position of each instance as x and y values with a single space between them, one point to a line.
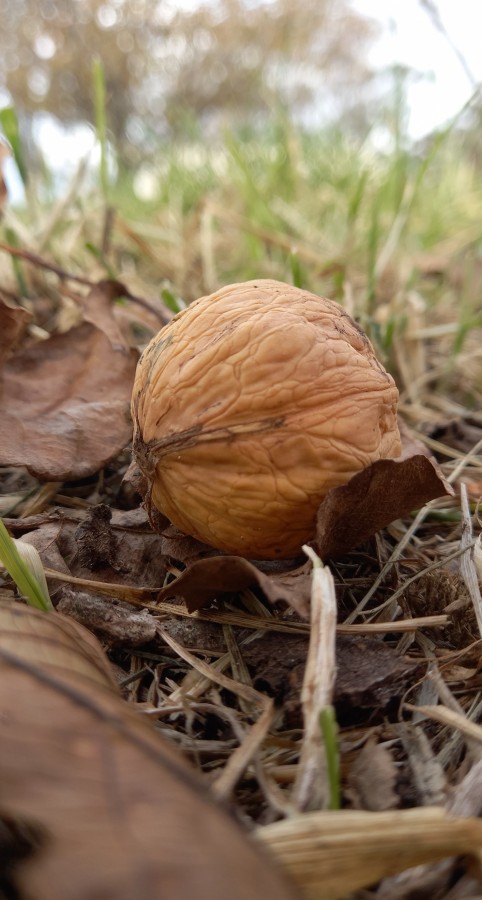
249 406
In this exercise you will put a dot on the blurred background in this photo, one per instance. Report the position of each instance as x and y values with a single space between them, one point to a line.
191 70
333 144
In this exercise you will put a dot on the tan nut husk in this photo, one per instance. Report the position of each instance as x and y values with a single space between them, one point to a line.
249 406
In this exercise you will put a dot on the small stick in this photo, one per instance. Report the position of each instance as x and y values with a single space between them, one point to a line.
161 310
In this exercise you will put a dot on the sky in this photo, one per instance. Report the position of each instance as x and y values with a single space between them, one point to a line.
409 36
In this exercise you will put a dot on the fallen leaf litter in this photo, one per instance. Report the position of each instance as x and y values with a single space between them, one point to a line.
375 674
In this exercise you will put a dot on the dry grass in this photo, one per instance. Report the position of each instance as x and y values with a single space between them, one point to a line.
396 240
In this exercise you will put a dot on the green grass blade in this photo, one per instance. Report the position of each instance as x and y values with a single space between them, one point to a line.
355 201
21 574
329 730
102 259
297 274
373 242
175 304
17 264
11 130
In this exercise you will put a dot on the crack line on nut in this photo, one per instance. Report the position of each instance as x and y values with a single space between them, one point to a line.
195 435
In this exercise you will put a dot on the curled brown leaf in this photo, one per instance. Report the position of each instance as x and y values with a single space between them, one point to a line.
206 579
386 490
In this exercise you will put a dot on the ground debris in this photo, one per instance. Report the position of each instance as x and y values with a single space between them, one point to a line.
115 622
246 637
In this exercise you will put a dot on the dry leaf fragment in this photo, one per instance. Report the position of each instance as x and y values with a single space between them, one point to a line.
206 579
372 778
386 490
179 546
46 541
371 675
65 403
119 813
95 540
59 536
98 310
277 664
13 322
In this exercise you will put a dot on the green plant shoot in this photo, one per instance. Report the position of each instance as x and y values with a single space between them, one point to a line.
329 731
19 570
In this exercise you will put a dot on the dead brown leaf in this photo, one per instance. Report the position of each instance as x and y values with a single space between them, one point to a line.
277 664
371 675
65 401
177 545
372 778
113 546
13 321
112 810
139 323
95 540
98 309
46 540
132 322
206 579
387 490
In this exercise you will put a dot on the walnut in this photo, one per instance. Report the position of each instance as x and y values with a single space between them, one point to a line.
249 406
